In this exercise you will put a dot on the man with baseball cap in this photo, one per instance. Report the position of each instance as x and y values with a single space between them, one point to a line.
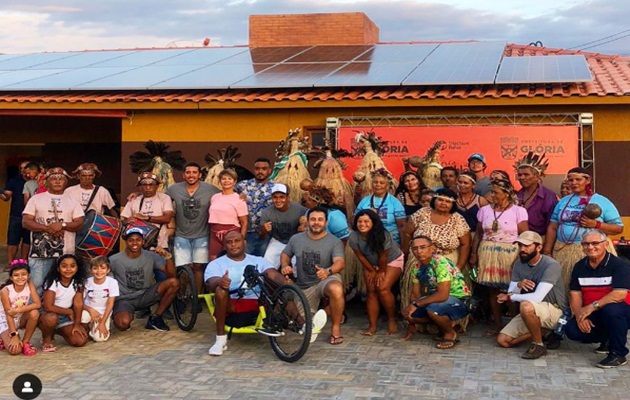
279 221
477 165
134 269
537 285
53 219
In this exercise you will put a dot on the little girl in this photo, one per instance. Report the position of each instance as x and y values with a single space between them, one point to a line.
20 310
100 293
63 304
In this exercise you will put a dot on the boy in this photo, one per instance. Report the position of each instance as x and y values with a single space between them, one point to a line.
99 296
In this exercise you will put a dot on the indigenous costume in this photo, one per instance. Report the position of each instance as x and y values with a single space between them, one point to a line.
227 159
371 150
97 198
429 167
159 161
292 167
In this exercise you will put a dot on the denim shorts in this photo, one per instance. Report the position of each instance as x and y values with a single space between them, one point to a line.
188 251
453 308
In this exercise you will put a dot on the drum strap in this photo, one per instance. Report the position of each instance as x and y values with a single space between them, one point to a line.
87 207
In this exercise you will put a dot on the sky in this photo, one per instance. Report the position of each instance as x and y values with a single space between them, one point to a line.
30 26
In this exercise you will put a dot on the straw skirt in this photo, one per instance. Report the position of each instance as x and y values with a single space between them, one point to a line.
495 263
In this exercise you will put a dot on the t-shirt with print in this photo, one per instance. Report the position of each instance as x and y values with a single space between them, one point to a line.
102 200
96 295
546 270
446 236
135 275
63 294
258 197
508 221
47 209
571 208
191 212
154 206
358 242
440 270
226 208
310 252
389 209
284 224
217 268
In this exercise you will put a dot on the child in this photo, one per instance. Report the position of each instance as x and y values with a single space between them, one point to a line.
63 304
20 310
100 293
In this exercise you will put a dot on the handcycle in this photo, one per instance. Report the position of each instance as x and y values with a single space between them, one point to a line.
284 314
186 303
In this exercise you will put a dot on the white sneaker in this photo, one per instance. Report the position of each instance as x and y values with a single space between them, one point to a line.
319 321
219 346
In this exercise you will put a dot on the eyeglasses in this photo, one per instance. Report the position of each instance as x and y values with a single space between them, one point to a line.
420 248
587 244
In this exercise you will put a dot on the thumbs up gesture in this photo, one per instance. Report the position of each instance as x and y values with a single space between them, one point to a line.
225 280
321 273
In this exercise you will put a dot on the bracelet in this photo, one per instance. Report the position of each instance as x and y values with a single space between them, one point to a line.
598 225
509 297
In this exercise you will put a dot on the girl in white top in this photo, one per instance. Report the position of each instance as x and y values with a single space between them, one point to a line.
63 304
20 310
98 299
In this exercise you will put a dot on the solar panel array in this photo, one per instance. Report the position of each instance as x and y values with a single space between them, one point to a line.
473 63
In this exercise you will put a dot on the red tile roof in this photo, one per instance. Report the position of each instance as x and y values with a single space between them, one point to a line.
611 78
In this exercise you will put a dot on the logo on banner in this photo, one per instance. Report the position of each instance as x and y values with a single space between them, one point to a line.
509 148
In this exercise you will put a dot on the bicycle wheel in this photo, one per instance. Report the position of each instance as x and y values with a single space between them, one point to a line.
290 314
186 302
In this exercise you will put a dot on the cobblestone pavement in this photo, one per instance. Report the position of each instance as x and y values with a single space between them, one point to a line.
143 364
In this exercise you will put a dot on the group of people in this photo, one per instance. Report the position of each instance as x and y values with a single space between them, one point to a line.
418 250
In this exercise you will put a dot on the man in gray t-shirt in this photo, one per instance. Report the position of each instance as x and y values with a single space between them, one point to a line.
191 202
537 284
133 269
280 221
319 259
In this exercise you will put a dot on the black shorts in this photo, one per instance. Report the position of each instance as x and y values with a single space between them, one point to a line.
16 233
147 299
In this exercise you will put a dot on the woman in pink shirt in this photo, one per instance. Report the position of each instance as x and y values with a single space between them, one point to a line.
228 212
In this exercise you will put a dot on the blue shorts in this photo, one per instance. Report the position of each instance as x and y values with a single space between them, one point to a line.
16 233
188 251
453 308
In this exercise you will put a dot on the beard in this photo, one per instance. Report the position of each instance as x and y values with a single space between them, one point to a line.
525 258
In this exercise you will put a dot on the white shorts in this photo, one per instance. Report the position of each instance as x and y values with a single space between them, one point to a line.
94 333
548 313
4 325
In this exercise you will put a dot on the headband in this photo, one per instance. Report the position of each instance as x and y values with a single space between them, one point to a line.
470 178
443 197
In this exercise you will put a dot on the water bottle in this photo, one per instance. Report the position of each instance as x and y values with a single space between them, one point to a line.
562 322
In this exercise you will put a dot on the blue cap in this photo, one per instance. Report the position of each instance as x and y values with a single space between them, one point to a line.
477 156
133 230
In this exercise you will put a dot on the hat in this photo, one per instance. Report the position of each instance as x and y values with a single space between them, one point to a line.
528 237
56 172
477 156
279 188
132 231
145 178
86 169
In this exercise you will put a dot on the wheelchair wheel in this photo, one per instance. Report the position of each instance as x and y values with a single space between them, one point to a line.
186 302
290 315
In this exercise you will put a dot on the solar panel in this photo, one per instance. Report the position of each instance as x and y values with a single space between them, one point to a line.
204 56
66 80
289 75
369 74
264 55
137 78
459 63
397 52
31 60
10 78
82 59
322 54
141 58
544 69
216 76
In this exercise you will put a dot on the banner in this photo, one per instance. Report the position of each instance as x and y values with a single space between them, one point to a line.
502 146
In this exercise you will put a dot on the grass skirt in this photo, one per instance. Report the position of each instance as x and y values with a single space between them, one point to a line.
495 263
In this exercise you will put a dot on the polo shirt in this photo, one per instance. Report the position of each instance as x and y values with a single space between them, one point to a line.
594 283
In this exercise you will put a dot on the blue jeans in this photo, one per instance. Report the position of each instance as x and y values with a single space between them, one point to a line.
611 324
256 245
453 308
39 269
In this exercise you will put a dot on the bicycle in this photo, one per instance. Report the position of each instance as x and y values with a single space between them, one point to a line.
284 315
186 302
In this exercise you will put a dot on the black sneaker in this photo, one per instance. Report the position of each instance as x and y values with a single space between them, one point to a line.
612 361
602 349
143 313
157 323
552 341
534 352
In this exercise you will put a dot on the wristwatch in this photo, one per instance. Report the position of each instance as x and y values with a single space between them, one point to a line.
595 305
330 272
63 225
13 334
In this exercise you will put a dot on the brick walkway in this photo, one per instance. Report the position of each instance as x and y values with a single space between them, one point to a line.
142 364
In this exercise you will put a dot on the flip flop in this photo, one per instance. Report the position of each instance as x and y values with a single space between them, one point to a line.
49 348
447 344
335 339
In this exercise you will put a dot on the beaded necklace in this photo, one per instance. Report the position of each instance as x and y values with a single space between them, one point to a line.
372 206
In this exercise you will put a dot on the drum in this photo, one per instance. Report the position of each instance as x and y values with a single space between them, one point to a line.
150 232
98 235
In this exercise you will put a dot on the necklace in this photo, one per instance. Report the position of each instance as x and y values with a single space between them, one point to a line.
373 207
530 196
415 200
469 202
495 223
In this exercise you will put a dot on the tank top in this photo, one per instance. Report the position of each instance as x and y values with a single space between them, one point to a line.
17 299
470 214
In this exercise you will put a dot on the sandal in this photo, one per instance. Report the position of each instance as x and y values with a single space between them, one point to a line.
447 344
335 339
48 347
